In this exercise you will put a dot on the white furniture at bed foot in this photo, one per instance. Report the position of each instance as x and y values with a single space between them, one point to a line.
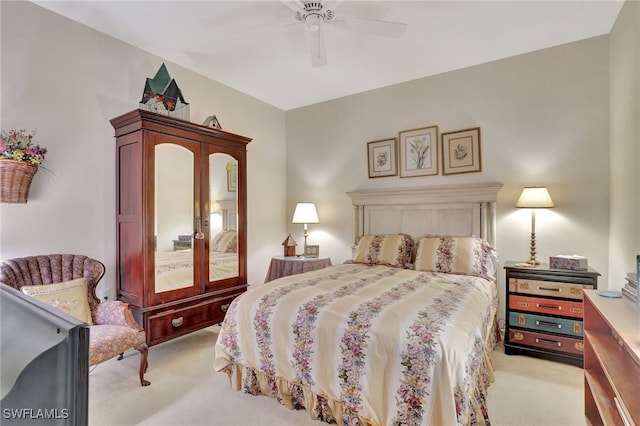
283 266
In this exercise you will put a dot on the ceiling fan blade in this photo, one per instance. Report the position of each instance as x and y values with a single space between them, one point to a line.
296 6
332 4
371 26
318 54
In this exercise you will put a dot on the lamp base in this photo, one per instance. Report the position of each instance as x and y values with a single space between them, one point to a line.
532 251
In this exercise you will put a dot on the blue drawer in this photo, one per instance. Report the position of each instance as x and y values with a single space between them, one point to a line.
544 323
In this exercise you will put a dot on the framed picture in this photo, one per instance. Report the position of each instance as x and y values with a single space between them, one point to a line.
232 177
382 158
419 152
311 251
461 151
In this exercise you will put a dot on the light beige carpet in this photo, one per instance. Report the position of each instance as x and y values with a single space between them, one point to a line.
185 390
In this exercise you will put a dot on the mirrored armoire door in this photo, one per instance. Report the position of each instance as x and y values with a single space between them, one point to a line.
225 197
177 225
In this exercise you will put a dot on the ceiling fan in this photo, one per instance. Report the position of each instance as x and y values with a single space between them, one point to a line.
315 14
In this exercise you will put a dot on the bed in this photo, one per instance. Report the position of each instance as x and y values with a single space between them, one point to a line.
174 269
401 334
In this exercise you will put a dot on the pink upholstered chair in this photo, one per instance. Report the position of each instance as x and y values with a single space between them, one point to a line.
114 329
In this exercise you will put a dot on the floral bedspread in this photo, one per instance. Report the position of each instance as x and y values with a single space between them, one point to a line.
174 269
360 344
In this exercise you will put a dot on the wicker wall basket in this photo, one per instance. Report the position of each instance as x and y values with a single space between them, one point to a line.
15 180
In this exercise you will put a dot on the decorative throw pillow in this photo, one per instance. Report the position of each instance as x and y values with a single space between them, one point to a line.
456 255
69 296
225 242
390 249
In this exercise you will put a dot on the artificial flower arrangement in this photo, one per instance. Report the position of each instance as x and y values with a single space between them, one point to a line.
20 159
18 145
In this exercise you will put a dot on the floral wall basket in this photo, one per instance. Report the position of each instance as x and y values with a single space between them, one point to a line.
19 162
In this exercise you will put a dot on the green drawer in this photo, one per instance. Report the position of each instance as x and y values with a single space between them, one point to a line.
569 327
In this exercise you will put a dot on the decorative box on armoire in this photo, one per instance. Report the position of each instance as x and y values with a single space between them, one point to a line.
544 311
174 178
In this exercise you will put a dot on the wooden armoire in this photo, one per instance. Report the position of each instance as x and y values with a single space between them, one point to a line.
179 181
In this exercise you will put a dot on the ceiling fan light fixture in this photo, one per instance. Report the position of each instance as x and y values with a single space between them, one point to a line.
314 14
313 22
312 6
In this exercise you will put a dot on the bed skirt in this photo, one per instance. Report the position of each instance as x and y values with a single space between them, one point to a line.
296 396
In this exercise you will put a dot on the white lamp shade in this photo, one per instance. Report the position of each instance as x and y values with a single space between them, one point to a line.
305 213
535 197
216 207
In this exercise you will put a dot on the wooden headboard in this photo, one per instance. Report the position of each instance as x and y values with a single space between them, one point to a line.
459 210
229 213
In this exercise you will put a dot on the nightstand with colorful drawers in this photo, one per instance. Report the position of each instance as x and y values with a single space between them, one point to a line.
544 311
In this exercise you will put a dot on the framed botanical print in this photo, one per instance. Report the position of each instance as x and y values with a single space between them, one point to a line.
419 152
461 151
232 177
382 158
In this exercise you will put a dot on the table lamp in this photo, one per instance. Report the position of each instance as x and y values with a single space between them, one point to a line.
305 213
534 197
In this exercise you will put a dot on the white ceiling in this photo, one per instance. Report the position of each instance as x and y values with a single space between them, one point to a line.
248 46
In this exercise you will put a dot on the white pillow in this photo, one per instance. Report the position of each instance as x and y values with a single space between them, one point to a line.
225 242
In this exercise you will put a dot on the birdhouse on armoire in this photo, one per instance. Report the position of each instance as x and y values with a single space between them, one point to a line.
289 246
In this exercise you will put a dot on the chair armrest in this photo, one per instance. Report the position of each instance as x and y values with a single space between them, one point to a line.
114 312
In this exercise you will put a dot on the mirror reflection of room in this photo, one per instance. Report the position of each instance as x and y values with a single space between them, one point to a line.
174 217
177 225
223 219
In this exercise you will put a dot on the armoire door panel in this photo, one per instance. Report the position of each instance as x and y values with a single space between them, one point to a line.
131 269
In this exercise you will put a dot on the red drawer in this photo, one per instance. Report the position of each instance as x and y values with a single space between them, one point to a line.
546 341
546 306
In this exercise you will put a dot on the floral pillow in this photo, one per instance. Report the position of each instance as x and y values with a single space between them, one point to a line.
456 255
390 249
69 296
225 242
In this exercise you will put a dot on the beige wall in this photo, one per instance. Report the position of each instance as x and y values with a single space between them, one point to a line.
68 81
624 58
544 118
